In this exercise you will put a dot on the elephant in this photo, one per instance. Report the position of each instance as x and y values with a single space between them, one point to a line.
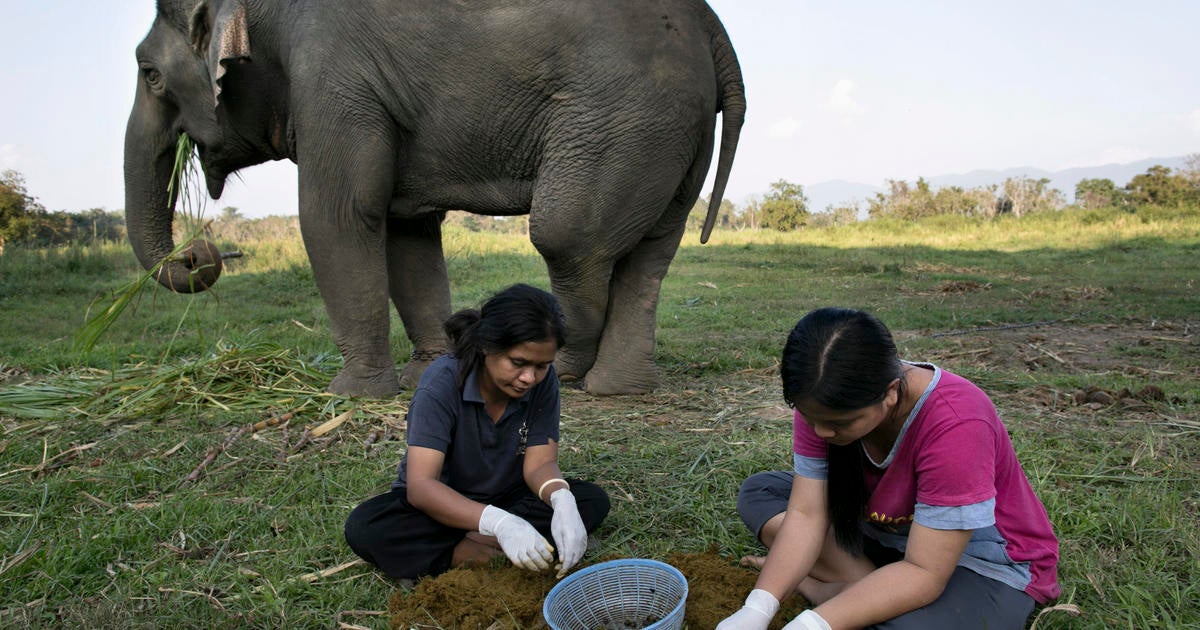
597 118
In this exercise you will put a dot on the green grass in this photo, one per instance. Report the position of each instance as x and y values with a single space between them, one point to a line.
98 527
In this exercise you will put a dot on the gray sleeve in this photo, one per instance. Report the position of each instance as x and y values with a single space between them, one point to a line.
811 467
974 516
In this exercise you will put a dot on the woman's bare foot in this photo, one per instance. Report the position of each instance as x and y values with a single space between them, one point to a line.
815 591
818 592
475 550
755 562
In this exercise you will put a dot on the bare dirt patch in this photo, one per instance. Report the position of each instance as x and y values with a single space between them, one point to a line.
963 286
1137 348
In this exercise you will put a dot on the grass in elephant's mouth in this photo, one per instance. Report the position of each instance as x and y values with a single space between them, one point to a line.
186 190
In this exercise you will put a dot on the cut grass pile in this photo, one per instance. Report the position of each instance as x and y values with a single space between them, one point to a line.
242 378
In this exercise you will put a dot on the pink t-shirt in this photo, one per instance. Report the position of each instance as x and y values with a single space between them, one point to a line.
954 467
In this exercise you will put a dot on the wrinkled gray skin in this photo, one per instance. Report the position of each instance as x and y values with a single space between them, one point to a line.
595 117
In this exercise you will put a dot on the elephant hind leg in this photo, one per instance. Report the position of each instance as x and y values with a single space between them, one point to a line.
581 290
608 223
419 287
625 359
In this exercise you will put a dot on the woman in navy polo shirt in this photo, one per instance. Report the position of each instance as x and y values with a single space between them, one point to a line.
480 476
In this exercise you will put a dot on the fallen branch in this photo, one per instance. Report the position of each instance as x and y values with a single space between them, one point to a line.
962 353
1047 353
303 441
327 441
343 625
171 451
226 466
53 462
324 573
104 504
209 596
11 563
284 445
212 455
270 422
372 438
1070 609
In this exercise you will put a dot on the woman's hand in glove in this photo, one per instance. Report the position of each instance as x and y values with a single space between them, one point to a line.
523 545
567 527
756 614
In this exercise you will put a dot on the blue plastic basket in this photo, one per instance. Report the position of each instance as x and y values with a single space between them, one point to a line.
618 595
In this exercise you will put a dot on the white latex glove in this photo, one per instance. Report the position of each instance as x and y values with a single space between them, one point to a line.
523 545
808 620
567 527
756 614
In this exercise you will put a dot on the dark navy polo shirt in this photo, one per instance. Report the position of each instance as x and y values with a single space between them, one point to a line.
481 462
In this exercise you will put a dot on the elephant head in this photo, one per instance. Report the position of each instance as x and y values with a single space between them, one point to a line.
184 68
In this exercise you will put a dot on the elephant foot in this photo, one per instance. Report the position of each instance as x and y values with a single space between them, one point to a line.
602 382
380 385
410 376
571 368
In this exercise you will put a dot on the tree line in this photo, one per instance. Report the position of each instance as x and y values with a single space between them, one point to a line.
23 220
784 207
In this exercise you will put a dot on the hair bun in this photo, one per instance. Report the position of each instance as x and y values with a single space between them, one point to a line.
461 325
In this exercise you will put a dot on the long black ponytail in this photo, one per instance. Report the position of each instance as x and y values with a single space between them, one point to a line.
842 359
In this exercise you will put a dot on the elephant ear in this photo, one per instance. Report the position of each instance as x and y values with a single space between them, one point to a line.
221 37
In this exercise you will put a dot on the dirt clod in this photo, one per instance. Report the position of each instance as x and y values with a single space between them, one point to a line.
1106 397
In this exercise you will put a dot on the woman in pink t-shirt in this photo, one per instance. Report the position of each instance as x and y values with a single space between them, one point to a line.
906 506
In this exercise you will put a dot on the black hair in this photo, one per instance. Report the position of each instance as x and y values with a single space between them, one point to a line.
511 317
843 359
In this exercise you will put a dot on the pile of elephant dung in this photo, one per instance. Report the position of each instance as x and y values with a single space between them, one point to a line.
1106 397
495 598
475 598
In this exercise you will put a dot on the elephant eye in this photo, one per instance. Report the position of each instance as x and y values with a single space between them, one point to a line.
153 77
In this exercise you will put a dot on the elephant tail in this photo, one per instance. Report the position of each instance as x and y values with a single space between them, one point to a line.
732 105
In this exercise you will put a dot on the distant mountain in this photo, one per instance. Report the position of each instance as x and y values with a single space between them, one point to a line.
838 192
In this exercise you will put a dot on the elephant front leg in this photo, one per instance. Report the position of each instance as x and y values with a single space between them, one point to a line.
346 156
351 274
420 289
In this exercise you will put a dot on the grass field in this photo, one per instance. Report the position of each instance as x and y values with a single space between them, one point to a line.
105 521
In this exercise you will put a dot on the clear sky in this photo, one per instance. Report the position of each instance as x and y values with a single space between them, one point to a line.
861 91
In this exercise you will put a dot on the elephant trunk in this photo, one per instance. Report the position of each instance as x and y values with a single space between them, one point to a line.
149 211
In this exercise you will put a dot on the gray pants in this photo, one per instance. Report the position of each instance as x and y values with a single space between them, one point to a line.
969 601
